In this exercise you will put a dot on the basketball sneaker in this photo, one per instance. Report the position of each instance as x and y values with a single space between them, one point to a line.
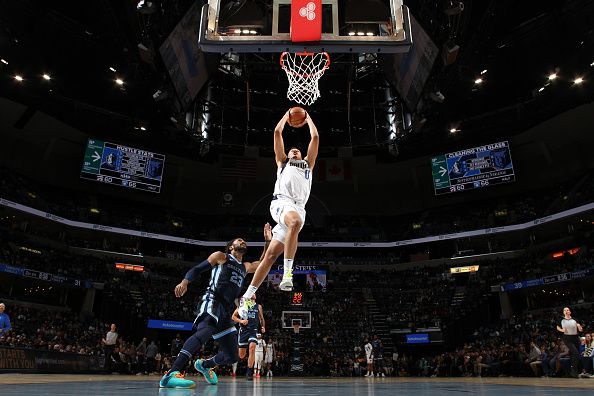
209 375
287 281
244 306
175 379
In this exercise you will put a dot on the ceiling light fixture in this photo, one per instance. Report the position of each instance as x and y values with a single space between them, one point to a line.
119 81
46 77
541 89
578 81
483 72
478 81
112 69
18 78
4 61
552 76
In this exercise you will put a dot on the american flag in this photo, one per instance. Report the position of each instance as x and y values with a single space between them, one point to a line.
238 167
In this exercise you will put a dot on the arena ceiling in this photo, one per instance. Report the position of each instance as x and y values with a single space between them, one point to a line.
512 46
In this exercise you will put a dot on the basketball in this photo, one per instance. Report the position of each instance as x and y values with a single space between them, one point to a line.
297 116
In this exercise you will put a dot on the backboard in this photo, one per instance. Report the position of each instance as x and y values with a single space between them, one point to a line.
302 318
252 26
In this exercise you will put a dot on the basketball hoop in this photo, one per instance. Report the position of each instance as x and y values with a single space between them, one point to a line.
304 70
296 327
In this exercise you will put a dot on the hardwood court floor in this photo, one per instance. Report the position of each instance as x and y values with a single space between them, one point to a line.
87 385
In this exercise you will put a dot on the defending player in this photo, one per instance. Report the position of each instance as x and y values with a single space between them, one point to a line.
227 272
369 358
378 356
259 361
291 192
248 331
269 358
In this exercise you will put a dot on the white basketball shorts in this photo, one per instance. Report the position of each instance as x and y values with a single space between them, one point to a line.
278 209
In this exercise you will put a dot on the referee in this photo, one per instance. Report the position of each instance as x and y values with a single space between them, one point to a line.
570 327
4 321
109 342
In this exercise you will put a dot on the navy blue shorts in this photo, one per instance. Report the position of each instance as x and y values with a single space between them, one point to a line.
223 318
246 336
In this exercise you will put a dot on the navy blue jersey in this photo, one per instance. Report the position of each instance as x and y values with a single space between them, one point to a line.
253 318
378 350
224 287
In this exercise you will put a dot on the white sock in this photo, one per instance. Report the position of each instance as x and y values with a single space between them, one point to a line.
234 367
249 293
288 265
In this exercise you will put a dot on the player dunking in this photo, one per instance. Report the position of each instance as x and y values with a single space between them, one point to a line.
227 272
291 192
248 331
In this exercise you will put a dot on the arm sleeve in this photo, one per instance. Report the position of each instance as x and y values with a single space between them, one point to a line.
197 270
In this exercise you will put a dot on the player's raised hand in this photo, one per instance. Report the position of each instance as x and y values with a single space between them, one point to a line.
181 289
263 330
267 232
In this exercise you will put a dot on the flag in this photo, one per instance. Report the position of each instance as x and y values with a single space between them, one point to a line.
334 170
238 167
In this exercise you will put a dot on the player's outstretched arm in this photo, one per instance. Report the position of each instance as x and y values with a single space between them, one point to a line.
562 330
314 143
235 317
279 144
216 258
252 267
261 317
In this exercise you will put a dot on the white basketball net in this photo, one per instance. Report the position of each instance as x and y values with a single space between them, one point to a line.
304 70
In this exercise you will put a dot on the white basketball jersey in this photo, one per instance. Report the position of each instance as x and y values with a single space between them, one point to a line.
293 181
260 345
368 350
269 350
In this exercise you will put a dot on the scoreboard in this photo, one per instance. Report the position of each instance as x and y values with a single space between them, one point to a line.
468 169
123 166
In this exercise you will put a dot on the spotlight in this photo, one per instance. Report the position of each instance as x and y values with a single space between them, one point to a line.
484 72
253 32
4 61
360 34
552 76
591 64
143 128
350 34
246 31
453 130
578 81
18 78
112 69
46 77
478 81
237 31
370 34
119 81
541 89
146 7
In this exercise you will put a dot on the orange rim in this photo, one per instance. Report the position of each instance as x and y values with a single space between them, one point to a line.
284 67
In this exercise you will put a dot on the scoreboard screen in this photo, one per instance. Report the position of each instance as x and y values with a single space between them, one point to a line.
468 169
122 165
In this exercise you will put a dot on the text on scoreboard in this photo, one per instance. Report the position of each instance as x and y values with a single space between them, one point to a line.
468 169
122 165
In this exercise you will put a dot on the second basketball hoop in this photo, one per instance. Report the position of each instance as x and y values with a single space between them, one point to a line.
304 70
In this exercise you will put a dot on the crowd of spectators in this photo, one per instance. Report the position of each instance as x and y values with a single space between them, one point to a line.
142 216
